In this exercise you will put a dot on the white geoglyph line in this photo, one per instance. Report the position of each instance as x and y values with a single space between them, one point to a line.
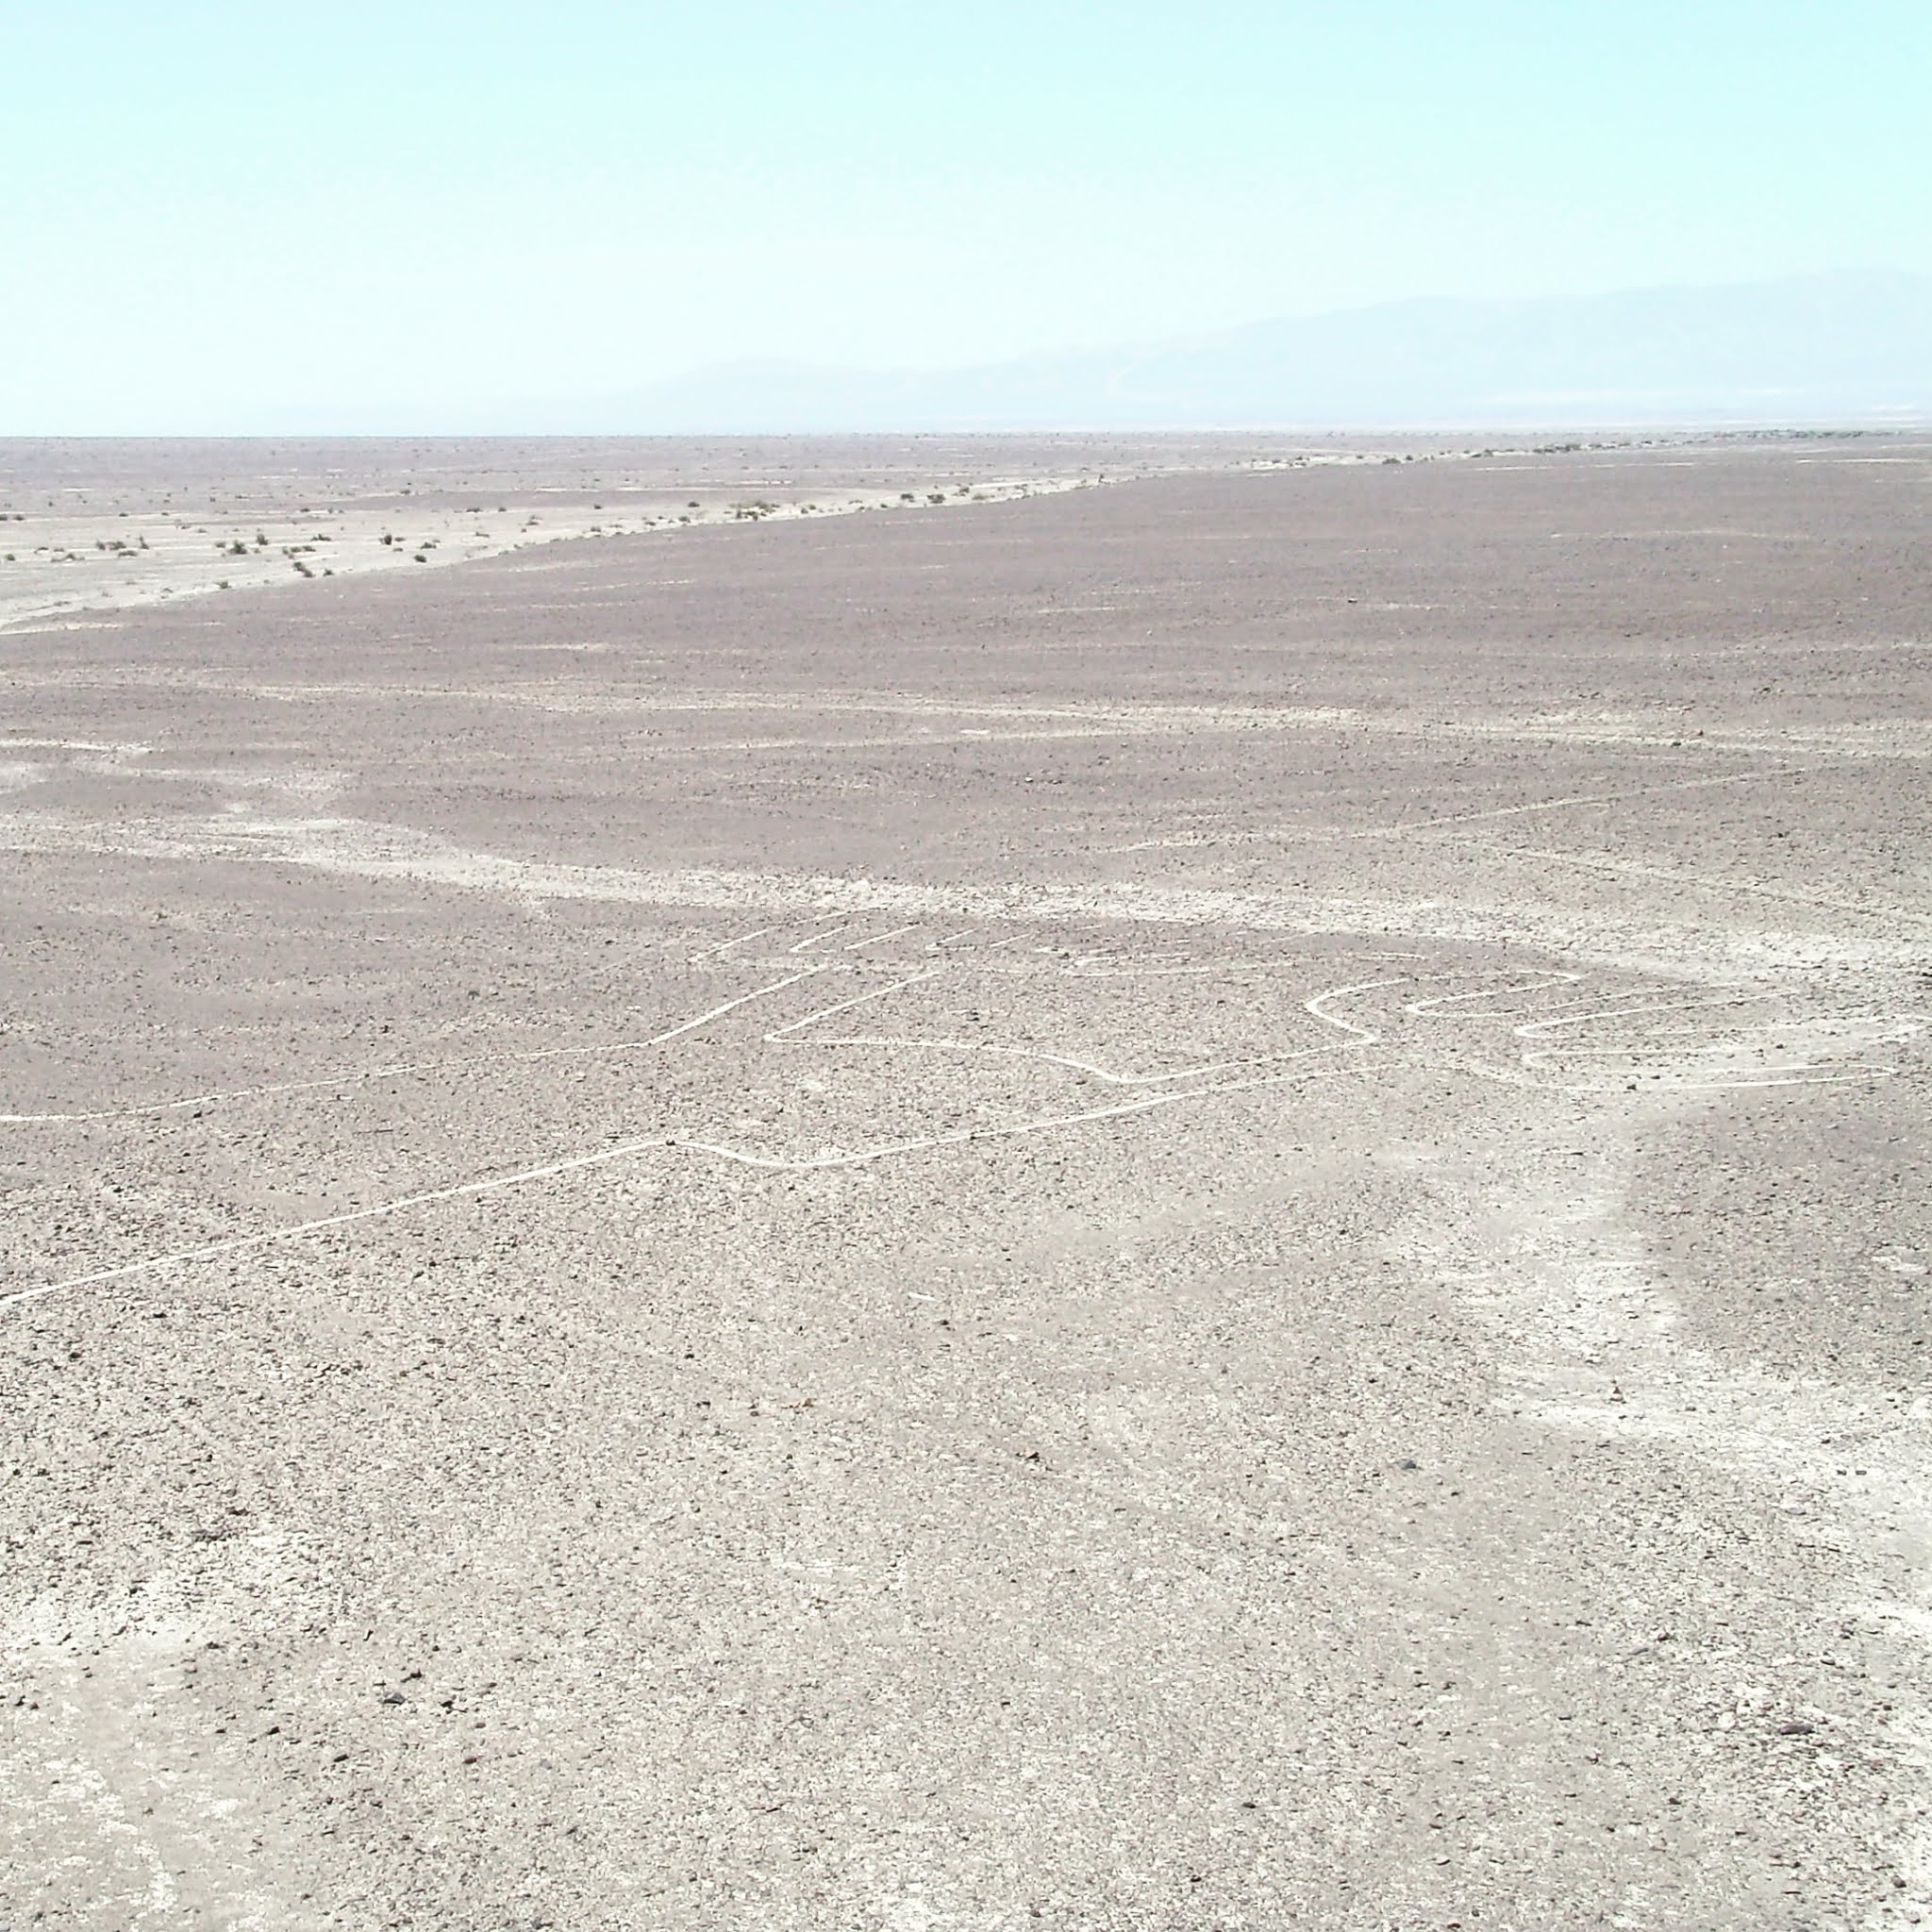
781 1034
1703 882
1680 1065
1777 1073
366 850
235 1245
1422 827
1592 1014
878 939
779 1164
1517 982
1079 1066
405 1069
1790 1074
402 1068
1778 1060
743 938
1317 1005
1855 740
857 1000
1415 827
551 1170
815 938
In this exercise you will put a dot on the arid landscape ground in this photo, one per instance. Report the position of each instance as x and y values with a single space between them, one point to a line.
1198 1203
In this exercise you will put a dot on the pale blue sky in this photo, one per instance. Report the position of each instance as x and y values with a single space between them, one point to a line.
214 216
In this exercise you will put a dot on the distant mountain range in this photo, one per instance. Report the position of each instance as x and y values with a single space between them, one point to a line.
1822 348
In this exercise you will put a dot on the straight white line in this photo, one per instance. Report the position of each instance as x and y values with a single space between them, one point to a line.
964 1134
1513 982
857 1000
743 938
1060 1059
237 1243
1591 1015
1700 881
816 937
1362 1034
399 1068
731 1005
1418 828
879 938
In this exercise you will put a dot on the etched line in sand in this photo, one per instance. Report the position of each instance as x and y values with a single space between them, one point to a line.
1318 1008
1767 1056
553 1168
1875 738
235 1245
1418 829
400 1068
1145 1104
622 1150
744 939
367 849
1704 882
1593 1011
1621 1050
1680 1061
902 1043
818 938
1514 983
878 939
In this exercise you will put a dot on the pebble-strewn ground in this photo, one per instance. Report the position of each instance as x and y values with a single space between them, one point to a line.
1193 1205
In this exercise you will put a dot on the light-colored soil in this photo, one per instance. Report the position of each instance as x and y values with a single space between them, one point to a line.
91 526
1191 1205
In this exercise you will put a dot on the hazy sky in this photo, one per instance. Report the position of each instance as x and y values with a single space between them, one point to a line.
213 215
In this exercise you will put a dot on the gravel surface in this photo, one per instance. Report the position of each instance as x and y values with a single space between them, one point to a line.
1196 1205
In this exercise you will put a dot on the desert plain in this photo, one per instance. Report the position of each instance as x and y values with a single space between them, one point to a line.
1198 1203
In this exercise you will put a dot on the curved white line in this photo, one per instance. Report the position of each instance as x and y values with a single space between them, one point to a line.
1589 1018
1336 992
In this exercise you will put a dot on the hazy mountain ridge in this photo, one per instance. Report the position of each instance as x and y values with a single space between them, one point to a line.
1842 346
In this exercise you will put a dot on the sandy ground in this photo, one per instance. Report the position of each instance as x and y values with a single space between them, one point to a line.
1196 1206
103 524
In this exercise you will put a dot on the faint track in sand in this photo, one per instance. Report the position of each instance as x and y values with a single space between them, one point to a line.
1659 1063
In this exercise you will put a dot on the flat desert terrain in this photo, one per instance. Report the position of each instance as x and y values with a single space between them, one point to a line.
1192 1204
